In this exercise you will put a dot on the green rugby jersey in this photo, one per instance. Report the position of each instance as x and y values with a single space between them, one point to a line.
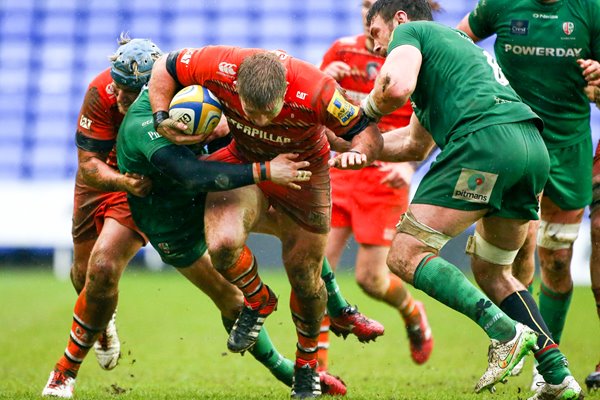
460 88
537 45
137 141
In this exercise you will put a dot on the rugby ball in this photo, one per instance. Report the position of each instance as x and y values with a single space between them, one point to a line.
196 107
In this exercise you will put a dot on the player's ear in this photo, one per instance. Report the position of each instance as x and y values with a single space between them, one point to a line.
400 17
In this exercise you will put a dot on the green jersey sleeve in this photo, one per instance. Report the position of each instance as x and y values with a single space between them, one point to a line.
483 19
404 34
460 87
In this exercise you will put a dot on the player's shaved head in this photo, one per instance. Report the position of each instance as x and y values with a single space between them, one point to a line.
416 10
261 80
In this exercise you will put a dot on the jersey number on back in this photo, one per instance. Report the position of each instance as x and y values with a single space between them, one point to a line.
498 74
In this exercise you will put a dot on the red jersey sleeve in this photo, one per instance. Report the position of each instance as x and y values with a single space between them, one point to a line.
196 66
341 115
99 117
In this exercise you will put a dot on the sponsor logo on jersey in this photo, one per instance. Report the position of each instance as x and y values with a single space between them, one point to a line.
153 135
228 69
519 27
110 89
257 133
542 51
301 95
474 186
568 27
85 122
342 109
187 56
544 16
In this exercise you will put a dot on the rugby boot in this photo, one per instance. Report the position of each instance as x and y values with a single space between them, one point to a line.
569 389
332 385
503 356
108 346
245 331
352 321
593 380
420 337
537 381
306 383
59 385
518 368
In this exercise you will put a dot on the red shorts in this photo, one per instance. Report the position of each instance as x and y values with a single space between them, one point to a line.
310 206
90 209
361 202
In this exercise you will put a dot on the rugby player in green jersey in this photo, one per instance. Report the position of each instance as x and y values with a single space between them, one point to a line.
548 51
491 170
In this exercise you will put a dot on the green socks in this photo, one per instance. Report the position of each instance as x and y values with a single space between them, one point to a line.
445 283
554 307
335 300
553 366
265 352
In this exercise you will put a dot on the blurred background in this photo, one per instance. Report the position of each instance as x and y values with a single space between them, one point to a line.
51 49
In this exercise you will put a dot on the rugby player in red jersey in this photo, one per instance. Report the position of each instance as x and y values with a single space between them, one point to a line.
106 238
274 104
369 202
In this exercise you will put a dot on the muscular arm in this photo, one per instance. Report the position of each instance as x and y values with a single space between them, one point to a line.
397 79
96 173
410 143
162 86
368 142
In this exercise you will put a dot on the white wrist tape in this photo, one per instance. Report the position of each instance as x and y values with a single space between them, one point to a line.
370 108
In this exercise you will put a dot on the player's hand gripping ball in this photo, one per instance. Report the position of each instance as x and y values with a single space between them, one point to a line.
196 107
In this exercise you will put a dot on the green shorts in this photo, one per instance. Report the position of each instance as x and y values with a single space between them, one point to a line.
177 234
502 168
570 181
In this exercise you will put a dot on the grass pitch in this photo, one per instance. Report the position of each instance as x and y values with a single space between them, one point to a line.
174 347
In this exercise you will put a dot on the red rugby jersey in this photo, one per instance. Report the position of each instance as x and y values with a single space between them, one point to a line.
313 102
365 66
99 118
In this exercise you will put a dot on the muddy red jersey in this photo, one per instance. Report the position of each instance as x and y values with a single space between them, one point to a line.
313 102
99 118
365 66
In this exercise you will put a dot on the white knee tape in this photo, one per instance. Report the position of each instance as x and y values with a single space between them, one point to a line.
429 236
478 246
554 236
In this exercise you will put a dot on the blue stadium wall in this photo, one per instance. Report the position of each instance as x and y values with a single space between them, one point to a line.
51 49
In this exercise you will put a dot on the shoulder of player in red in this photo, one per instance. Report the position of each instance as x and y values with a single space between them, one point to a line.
99 117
